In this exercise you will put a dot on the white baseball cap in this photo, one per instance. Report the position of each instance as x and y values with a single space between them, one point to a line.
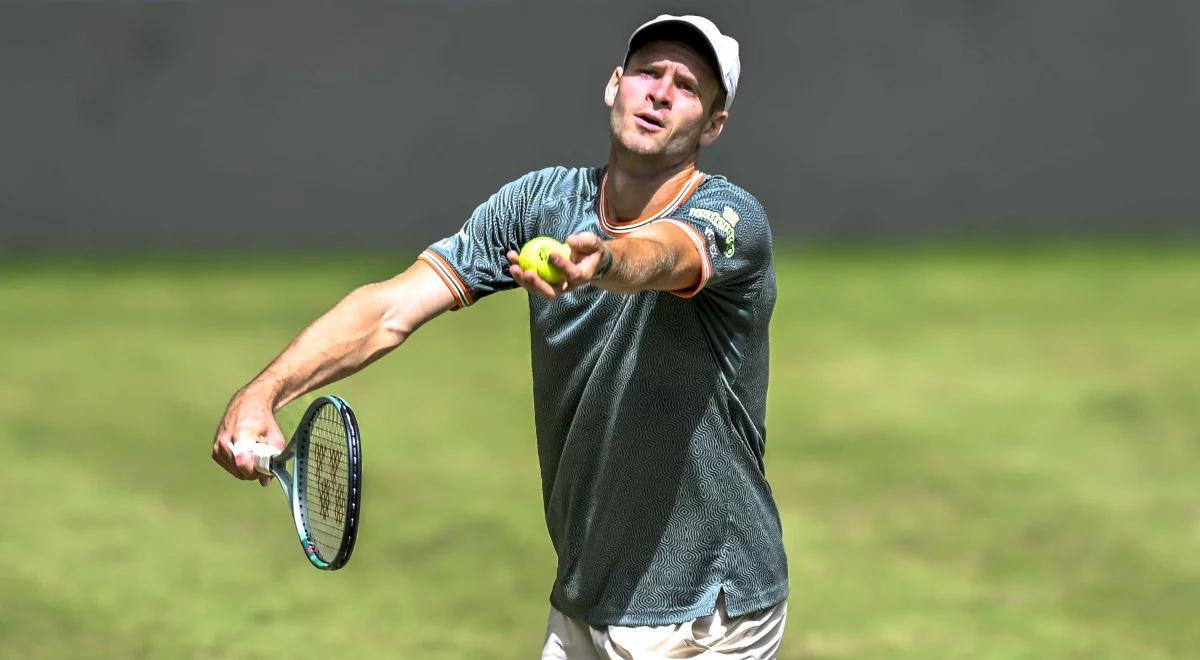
722 49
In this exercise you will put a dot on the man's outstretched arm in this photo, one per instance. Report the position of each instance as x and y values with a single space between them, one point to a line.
364 326
665 256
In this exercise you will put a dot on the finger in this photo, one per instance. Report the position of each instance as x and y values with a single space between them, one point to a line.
539 286
579 272
531 282
571 272
222 454
518 276
521 279
229 461
542 286
275 436
585 242
219 457
513 257
586 251
245 466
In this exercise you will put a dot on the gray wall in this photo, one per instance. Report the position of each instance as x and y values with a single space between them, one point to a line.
174 123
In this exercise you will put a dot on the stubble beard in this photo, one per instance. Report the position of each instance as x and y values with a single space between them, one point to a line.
639 155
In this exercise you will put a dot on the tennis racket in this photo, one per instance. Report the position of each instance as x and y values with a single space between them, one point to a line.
325 485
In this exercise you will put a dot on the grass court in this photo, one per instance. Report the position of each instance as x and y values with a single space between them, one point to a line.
978 450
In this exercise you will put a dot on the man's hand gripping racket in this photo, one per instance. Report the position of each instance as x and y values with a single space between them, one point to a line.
324 488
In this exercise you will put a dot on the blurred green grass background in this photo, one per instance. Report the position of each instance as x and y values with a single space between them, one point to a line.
979 451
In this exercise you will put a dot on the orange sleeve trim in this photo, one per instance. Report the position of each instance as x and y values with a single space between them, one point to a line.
458 289
706 268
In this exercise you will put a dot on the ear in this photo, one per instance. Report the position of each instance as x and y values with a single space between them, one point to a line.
713 127
610 90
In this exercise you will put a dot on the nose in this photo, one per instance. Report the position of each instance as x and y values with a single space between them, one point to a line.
660 94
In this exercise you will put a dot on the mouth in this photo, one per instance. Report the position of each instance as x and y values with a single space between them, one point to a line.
649 121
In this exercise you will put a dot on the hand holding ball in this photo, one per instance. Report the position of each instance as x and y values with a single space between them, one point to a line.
535 256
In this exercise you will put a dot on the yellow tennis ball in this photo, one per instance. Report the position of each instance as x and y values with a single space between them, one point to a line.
535 256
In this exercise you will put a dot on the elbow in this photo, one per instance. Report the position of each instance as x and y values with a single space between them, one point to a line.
394 326
390 326
393 333
399 306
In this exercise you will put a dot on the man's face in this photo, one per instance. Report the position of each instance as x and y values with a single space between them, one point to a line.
660 102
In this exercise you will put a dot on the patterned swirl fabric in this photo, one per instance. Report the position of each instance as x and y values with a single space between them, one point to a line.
649 408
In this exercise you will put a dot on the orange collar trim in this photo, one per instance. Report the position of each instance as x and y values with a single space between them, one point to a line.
614 226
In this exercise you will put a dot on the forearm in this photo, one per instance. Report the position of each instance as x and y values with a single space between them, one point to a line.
364 326
636 264
348 337
660 257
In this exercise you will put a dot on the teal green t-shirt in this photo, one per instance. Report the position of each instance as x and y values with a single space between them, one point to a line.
650 407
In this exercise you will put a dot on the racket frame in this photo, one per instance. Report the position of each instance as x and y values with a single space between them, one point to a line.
293 485
269 460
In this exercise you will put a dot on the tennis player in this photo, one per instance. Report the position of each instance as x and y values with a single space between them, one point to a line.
649 365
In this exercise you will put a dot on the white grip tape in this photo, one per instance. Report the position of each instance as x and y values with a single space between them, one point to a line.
263 453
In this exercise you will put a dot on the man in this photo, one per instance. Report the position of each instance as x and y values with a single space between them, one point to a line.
649 365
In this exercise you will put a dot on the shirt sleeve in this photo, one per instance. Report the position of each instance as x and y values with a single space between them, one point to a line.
729 229
472 262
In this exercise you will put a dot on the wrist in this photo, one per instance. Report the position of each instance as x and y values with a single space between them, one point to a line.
263 391
606 262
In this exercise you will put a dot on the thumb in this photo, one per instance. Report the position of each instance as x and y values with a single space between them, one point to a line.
274 438
583 244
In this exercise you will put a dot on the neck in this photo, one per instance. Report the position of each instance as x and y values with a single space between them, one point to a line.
634 188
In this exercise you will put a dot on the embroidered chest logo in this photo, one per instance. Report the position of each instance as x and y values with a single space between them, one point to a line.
725 222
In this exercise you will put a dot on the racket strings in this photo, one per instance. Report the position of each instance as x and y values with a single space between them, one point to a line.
327 481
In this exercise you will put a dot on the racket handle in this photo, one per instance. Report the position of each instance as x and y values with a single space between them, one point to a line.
263 453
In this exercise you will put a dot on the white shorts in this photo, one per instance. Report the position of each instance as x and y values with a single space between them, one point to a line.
753 636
